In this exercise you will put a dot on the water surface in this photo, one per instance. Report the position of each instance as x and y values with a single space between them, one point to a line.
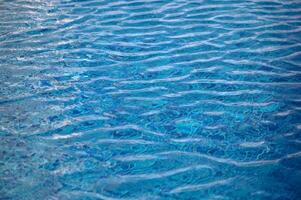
150 99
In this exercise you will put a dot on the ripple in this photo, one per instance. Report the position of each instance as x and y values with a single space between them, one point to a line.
190 188
252 144
223 160
159 175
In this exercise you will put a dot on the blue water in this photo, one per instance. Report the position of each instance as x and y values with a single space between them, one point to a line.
150 99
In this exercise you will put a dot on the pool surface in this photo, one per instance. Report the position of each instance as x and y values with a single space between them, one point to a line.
150 99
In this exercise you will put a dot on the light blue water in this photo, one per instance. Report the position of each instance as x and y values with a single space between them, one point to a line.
150 99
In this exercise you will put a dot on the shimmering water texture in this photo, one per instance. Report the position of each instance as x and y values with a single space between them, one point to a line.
150 99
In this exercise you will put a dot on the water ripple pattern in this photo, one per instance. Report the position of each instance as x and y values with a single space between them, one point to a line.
150 99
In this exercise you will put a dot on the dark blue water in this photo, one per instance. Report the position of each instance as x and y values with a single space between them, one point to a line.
150 99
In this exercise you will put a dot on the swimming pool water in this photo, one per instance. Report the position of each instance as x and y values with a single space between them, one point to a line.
150 99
